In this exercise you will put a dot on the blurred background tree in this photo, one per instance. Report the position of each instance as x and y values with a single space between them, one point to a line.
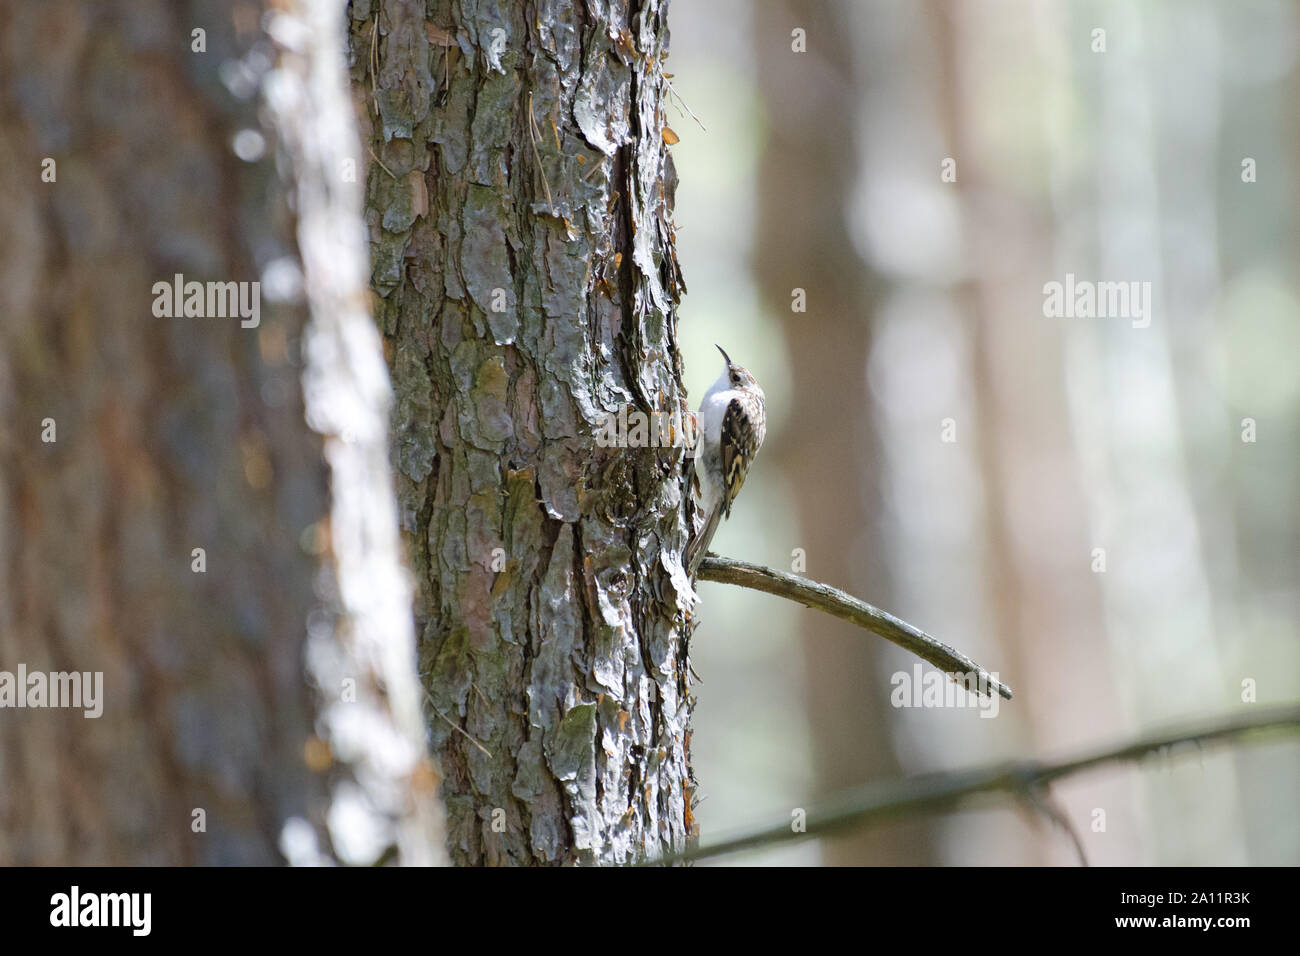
823 170
168 517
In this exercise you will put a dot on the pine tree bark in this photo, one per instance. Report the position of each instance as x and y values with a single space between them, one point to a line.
524 277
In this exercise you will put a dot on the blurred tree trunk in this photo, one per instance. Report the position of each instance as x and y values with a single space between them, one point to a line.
129 441
808 169
525 280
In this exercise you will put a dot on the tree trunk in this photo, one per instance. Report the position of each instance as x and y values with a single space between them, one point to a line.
525 280
131 440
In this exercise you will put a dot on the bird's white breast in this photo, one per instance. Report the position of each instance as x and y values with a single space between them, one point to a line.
708 463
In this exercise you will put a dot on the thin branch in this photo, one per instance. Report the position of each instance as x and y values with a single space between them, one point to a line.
823 597
374 63
945 791
1041 802
534 134
456 726
681 102
381 163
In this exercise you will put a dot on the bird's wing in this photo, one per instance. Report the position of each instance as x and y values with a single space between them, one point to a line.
738 444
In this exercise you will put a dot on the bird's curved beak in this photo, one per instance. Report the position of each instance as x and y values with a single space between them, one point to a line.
724 354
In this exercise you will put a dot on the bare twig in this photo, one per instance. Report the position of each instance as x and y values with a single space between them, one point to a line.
1041 802
681 102
381 163
374 63
455 726
534 134
823 597
948 790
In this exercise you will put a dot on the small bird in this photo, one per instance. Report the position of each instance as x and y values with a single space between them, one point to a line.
732 423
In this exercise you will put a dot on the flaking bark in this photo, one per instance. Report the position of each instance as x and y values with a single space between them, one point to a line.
525 280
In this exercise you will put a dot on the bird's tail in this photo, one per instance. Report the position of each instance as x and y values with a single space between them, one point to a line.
699 546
